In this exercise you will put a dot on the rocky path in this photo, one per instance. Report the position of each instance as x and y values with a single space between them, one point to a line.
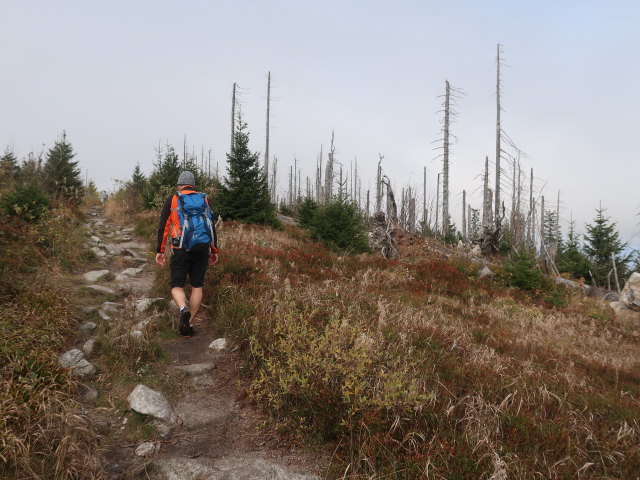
207 433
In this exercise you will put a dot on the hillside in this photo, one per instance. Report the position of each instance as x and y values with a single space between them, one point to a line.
337 366
416 368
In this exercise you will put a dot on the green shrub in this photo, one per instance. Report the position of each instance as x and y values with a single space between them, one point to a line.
27 202
306 212
522 270
340 227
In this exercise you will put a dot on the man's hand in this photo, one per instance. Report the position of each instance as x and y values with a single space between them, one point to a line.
160 259
213 258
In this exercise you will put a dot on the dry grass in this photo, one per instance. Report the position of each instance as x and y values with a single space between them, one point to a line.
43 433
417 369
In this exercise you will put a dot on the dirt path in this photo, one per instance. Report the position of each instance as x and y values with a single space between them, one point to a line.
217 435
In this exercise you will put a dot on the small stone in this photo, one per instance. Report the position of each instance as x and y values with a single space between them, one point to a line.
88 393
75 361
89 310
485 272
143 304
89 346
104 316
218 344
102 289
127 273
88 327
95 240
112 307
195 369
150 402
98 252
112 249
145 449
95 275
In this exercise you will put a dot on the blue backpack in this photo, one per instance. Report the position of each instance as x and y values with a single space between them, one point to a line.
196 221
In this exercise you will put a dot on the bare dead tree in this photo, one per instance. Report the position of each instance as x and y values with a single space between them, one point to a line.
486 203
498 136
445 163
266 147
379 184
424 198
328 174
464 214
233 118
319 178
392 208
437 202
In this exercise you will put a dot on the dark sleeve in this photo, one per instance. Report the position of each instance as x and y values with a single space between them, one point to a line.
164 216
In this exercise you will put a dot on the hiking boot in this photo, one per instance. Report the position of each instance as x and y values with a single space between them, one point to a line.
185 328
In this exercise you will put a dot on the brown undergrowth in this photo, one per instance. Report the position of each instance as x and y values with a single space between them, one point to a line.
43 433
418 369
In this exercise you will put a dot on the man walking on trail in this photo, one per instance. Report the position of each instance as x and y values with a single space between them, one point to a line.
186 217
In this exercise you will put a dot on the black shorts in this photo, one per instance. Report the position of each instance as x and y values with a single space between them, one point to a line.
185 263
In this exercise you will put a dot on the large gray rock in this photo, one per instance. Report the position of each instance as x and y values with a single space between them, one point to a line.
625 315
112 248
244 467
150 402
95 275
112 307
75 361
630 294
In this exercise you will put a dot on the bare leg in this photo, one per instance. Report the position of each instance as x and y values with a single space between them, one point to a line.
179 297
195 301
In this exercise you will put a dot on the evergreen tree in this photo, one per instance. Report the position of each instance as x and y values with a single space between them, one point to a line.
340 227
601 241
138 179
306 211
571 260
244 193
163 179
61 173
8 169
550 228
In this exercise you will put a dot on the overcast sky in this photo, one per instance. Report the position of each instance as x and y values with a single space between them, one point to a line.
120 76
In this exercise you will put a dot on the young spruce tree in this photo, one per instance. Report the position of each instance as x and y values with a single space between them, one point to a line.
244 192
61 173
601 241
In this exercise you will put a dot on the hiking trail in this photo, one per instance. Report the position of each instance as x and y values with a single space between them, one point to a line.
213 433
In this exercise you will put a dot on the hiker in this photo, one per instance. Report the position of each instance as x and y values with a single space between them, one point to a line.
186 217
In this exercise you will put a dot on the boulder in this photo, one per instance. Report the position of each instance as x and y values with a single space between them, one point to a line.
95 275
150 402
75 361
112 249
625 315
630 294
219 344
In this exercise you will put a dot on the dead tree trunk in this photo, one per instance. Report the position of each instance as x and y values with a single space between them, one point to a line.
424 199
233 118
379 184
498 135
266 147
464 214
437 202
486 205
445 164
328 174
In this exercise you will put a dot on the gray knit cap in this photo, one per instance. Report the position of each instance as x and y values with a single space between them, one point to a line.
187 178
